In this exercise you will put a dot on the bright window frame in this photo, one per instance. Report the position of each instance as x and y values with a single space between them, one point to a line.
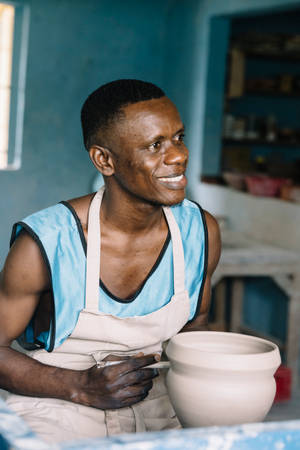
14 32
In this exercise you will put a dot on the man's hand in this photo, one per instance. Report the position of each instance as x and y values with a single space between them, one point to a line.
118 385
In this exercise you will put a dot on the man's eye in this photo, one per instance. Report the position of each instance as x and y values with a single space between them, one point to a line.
155 146
180 137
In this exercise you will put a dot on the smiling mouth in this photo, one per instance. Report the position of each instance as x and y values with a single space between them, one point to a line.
172 179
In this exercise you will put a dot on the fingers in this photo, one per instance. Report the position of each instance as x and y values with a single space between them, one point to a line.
120 357
122 384
137 389
135 363
136 377
135 393
128 395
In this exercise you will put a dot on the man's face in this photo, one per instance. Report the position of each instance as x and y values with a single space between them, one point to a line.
149 154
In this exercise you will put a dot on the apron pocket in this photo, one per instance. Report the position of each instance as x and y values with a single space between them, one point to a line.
158 414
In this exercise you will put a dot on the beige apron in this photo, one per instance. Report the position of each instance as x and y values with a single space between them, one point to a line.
97 335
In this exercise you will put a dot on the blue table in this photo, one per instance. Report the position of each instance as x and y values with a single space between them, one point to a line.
15 434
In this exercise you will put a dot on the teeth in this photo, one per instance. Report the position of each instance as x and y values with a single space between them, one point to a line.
173 179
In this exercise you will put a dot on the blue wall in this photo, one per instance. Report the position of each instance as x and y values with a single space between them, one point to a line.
74 46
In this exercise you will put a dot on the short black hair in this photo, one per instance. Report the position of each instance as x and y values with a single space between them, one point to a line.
104 105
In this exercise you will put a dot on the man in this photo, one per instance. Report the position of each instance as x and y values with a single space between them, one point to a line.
88 347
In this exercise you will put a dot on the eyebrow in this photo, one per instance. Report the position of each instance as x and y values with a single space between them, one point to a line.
182 129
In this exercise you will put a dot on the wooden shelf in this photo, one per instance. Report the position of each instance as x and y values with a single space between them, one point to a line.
288 57
267 94
261 142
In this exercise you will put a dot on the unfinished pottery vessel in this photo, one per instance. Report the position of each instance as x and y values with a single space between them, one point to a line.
218 378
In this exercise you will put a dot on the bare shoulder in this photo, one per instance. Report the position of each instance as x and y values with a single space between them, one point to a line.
24 269
212 225
81 206
214 241
23 280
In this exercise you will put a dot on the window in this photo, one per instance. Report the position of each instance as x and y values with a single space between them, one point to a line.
14 20
7 13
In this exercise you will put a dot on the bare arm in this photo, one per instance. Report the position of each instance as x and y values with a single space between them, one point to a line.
23 279
214 250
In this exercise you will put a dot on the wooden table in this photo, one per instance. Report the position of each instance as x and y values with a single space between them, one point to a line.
243 257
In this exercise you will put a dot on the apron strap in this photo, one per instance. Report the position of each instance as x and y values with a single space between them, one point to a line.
178 253
94 252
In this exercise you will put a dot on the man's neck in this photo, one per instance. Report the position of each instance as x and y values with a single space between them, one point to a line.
122 211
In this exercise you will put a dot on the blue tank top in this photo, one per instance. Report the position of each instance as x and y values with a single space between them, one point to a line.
57 231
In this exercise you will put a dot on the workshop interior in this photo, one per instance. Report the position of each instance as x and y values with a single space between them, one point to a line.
232 68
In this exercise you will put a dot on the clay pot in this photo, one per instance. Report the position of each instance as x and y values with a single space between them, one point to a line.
220 378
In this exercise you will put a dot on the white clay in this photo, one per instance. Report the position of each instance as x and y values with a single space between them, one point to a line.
221 378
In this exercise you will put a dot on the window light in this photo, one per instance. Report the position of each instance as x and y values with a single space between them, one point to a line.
14 32
7 16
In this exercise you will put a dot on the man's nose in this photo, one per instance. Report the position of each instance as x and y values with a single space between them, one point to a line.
176 155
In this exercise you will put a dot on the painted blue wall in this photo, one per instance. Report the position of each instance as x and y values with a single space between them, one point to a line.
74 46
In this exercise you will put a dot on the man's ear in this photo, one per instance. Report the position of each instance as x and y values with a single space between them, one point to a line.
102 160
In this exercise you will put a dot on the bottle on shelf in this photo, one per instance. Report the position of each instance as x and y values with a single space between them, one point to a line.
271 128
252 131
